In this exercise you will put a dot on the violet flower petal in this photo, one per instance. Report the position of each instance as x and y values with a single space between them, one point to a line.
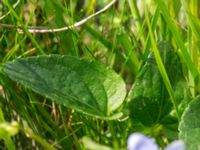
176 145
137 141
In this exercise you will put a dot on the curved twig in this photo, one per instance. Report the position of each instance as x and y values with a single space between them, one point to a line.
75 25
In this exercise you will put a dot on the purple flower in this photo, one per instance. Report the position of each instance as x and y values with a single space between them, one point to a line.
139 141
176 145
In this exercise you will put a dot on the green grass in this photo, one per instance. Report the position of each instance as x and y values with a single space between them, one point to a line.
121 38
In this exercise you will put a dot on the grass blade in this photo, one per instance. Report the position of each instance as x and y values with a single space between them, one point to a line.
177 37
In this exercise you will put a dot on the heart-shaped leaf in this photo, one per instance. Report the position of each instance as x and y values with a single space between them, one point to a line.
149 99
190 125
83 85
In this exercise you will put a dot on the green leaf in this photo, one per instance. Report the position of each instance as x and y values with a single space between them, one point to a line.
190 125
83 85
149 99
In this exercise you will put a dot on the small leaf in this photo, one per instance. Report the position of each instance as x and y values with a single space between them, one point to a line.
86 86
190 125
